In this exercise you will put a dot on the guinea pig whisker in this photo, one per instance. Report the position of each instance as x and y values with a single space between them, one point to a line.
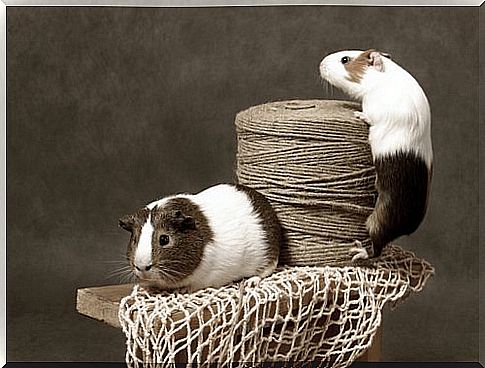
122 268
130 279
120 271
169 274
117 275
122 275
171 261
328 88
118 262
165 270
126 279
170 271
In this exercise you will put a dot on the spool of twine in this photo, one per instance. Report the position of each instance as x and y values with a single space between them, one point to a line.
312 160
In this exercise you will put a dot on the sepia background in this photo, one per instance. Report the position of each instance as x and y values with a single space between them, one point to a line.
109 108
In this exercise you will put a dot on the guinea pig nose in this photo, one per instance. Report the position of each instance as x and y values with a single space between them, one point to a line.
143 268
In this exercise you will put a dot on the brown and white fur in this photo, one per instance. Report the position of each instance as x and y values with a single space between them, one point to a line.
220 235
397 110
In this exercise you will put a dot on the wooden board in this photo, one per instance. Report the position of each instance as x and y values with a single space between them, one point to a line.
102 303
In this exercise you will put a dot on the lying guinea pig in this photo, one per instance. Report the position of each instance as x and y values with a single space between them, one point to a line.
210 239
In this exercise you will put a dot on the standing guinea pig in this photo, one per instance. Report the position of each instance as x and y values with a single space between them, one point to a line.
397 110
220 235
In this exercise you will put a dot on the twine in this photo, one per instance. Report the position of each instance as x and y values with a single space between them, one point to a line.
312 160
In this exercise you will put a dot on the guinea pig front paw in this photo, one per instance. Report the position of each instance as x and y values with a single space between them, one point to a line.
185 290
253 282
361 116
151 289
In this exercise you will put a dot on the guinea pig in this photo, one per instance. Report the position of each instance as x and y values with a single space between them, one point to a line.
210 239
397 111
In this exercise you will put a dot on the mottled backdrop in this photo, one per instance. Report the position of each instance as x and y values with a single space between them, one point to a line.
108 108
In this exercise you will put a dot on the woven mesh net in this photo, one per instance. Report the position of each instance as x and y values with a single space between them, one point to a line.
327 315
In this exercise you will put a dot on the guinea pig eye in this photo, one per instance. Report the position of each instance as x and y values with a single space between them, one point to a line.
164 240
345 60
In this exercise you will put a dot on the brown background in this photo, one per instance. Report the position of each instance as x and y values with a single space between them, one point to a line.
109 108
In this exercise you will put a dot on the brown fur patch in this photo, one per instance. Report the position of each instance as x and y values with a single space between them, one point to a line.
178 260
270 223
189 232
403 182
357 67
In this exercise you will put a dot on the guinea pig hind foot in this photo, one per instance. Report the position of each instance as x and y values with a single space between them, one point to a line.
359 252
255 280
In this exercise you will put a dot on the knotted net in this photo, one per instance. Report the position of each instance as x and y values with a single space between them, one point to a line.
327 315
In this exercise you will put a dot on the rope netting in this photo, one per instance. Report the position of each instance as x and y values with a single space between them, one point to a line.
327 315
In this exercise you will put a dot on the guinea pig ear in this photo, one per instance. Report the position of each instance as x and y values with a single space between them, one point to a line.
182 222
375 60
127 222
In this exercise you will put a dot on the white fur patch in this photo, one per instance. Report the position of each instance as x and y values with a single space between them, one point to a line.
400 121
392 100
143 253
239 248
